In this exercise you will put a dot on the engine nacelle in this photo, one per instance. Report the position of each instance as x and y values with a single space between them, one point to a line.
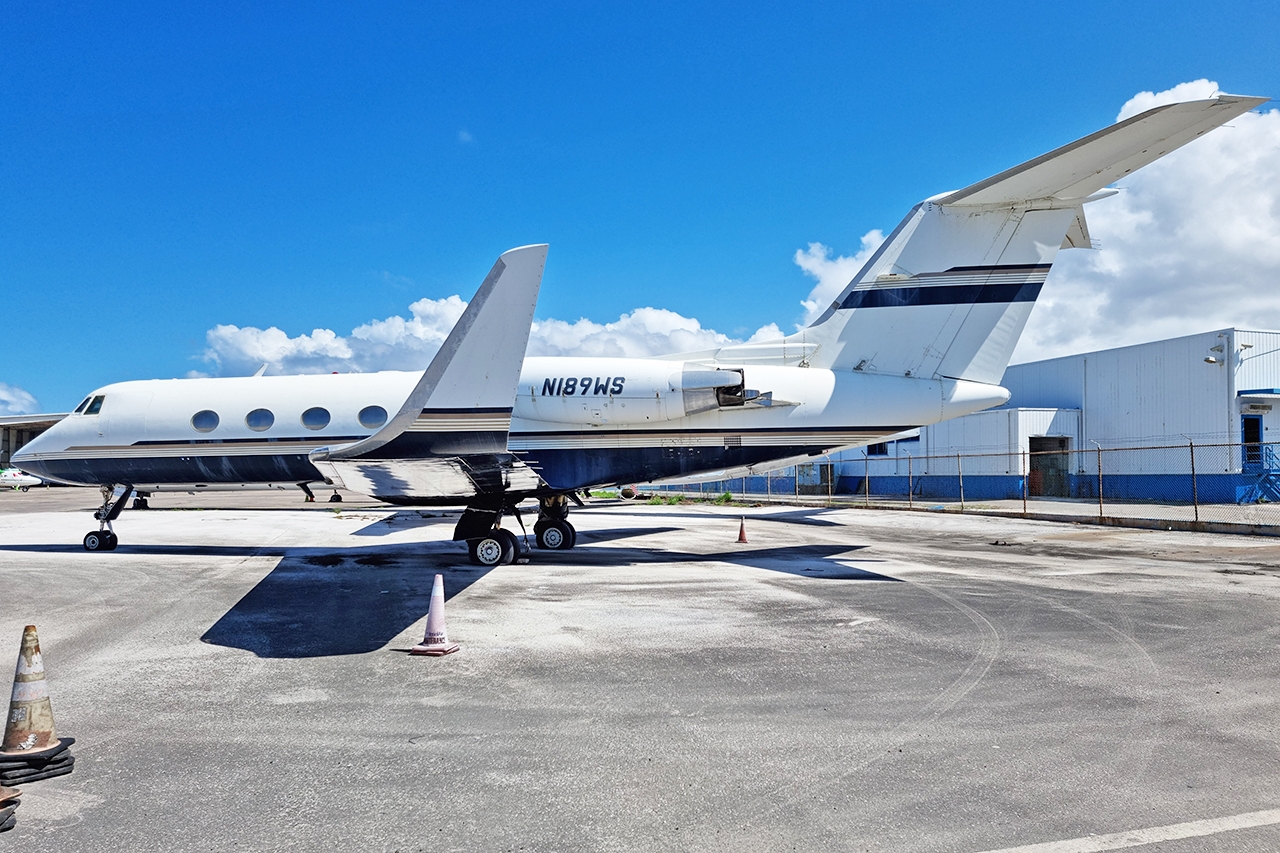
622 390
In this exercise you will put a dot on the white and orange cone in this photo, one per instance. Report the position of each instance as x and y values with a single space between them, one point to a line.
29 727
742 531
436 640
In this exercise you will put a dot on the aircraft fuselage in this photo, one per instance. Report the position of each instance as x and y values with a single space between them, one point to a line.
577 422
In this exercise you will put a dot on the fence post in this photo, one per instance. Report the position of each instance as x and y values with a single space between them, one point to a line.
960 472
1195 492
831 476
1099 446
910 489
1023 458
795 481
866 480
768 485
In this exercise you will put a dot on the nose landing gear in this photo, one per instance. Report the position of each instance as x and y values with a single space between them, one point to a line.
104 538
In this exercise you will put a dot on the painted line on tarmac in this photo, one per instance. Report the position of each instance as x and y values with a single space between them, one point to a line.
1140 837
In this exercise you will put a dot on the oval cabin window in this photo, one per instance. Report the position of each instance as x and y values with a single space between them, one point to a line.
259 420
372 417
315 418
205 421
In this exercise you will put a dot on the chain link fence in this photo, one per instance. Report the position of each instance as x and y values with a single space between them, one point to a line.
1200 485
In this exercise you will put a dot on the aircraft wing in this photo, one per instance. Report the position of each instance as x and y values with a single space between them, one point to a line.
449 440
1083 167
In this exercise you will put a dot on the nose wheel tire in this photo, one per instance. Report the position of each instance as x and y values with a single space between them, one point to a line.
496 549
100 540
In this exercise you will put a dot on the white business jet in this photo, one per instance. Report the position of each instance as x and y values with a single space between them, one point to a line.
12 478
923 333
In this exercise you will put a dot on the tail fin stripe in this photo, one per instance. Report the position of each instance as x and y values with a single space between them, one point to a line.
958 294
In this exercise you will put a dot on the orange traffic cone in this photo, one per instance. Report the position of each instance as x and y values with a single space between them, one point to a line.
436 641
742 531
31 749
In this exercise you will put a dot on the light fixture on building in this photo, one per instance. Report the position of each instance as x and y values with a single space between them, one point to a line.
1218 348
1208 359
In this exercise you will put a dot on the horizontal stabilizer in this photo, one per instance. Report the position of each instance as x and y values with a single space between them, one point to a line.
1085 166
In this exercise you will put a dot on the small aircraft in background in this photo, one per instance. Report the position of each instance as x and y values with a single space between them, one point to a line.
13 478
923 333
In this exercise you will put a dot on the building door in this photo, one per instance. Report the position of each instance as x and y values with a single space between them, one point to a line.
1050 468
814 478
1251 438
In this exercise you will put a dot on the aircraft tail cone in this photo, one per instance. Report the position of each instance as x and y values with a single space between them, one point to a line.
31 749
742 531
436 640
8 805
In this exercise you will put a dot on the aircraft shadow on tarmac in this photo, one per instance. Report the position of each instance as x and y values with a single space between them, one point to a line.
807 515
320 602
325 602
328 602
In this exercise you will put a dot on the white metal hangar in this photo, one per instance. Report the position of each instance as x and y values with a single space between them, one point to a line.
1146 414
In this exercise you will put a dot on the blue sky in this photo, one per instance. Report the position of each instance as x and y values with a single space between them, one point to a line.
169 169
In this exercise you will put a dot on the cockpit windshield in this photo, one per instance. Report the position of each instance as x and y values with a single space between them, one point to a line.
83 403
95 405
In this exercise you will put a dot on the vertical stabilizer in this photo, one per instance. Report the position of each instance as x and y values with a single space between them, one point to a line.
949 292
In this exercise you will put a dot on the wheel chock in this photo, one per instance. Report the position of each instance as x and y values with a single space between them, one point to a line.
9 798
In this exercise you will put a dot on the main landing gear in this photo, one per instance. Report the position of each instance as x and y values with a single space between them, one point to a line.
104 538
488 544
552 529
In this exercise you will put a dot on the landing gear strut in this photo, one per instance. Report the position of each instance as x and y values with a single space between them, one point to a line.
113 502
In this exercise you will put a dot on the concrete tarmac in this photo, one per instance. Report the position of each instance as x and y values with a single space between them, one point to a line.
235 675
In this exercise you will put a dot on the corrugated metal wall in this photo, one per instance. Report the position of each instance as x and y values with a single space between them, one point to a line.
1141 395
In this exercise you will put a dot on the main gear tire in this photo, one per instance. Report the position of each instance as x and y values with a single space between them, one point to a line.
496 549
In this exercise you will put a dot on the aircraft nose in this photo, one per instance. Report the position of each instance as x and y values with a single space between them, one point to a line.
27 457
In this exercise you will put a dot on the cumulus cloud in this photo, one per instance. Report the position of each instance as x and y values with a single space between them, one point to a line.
832 274
15 401
642 332
399 343
396 343
1192 243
